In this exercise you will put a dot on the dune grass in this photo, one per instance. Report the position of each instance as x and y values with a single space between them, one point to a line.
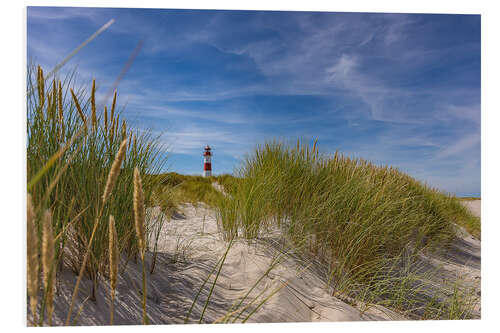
89 179
176 189
71 150
355 217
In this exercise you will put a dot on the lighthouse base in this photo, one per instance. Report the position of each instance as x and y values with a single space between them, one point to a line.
207 173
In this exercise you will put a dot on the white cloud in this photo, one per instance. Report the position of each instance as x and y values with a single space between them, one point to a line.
461 147
192 137
342 73
375 94
394 32
470 113
59 13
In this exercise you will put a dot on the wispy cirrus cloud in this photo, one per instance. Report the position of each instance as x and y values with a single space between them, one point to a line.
461 147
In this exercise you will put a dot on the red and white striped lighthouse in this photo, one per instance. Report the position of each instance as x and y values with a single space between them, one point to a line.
207 163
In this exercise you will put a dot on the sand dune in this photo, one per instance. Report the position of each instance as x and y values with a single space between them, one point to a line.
189 247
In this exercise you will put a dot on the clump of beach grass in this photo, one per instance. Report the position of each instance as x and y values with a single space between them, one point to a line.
356 217
110 183
81 167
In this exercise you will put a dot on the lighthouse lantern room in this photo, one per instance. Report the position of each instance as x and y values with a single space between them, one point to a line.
207 163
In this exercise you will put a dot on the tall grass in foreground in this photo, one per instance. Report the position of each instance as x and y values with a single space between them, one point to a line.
74 155
89 181
357 218
141 235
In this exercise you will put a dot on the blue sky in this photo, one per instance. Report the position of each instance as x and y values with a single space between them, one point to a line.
397 89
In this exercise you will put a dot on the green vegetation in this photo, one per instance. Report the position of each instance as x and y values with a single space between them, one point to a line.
176 189
358 219
72 150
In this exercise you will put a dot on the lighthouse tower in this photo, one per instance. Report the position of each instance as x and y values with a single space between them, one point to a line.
207 163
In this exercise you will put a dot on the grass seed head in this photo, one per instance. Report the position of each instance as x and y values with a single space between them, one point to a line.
124 129
41 87
111 134
48 263
32 251
60 111
117 125
115 171
92 104
77 104
52 101
60 102
139 211
47 247
113 253
105 120
113 105
134 147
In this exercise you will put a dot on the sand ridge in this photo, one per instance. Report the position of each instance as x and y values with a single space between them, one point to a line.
189 247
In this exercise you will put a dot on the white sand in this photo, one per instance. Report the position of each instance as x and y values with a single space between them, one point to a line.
190 245
474 206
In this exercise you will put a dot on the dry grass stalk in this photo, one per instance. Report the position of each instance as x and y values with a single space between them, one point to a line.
124 129
141 236
113 252
33 264
113 262
139 211
49 105
113 105
77 104
60 111
92 105
115 171
111 131
60 102
52 101
54 94
105 120
48 263
134 147
41 87
117 125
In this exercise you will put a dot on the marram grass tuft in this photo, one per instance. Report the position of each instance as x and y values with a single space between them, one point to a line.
357 218
71 150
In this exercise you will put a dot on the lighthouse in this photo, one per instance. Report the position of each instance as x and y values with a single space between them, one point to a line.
207 163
